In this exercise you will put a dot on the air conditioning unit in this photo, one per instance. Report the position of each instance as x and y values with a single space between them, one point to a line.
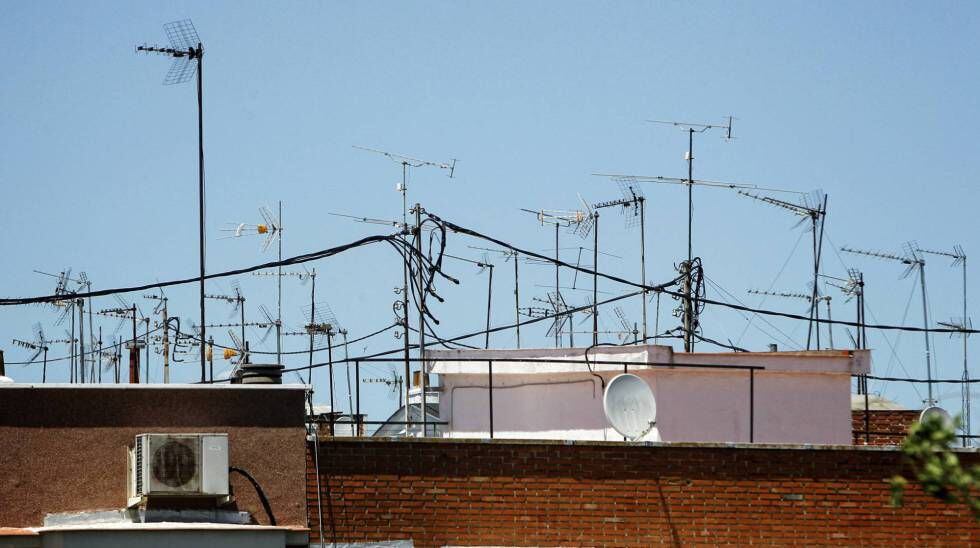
178 465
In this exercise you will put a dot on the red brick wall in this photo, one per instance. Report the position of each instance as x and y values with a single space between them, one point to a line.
886 426
440 492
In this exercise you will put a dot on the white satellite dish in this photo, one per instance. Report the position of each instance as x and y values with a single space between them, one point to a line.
939 412
630 406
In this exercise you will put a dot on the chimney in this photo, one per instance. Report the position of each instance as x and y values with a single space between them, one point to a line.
773 347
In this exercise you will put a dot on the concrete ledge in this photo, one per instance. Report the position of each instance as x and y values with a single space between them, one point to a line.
651 444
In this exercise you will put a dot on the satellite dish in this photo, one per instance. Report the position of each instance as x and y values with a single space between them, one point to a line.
630 406
938 412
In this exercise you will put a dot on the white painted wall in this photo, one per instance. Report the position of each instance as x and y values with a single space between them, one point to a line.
801 397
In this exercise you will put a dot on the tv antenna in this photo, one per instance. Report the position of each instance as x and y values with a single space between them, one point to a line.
188 53
691 129
393 381
814 208
963 324
39 348
567 219
271 228
402 187
68 307
630 406
913 261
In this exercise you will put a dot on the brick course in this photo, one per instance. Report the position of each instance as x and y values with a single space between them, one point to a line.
518 493
887 426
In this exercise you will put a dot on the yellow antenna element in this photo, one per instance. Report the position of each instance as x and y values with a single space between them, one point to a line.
262 229
229 353
209 355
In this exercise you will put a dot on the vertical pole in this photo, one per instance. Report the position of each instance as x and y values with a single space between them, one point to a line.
44 368
200 189
357 397
643 263
211 358
517 302
751 405
81 338
490 394
925 324
423 384
557 290
408 365
966 369
98 354
830 325
813 290
309 373
330 372
91 330
688 298
166 340
867 418
350 404
595 281
279 294
71 345
486 343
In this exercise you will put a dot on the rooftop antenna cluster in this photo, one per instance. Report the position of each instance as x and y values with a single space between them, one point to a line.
187 51
913 261
963 324
573 221
271 229
407 162
814 209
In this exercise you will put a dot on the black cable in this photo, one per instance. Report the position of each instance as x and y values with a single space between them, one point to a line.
298 259
258 491
663 289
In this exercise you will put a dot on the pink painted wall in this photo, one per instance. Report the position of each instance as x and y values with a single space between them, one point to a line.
799 397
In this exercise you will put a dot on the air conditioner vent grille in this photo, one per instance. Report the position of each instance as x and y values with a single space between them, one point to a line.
138 471
175 463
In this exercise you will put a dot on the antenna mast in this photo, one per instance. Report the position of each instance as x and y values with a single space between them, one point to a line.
913 261
964 324
186 48
407 162
686 267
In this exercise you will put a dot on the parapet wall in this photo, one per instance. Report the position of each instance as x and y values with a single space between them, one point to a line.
532 493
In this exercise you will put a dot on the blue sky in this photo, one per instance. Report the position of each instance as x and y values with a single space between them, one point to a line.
874 103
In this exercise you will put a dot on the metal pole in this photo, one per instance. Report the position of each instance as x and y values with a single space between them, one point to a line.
966 369
557 290
489 300
211 358
688 298
595 281
490 394
166 340
643 263
200 190
423 384
867 418
81 338
44 368
408 370
751 405
71 344
357 397
925 324
830 325
813 290
517 302
309 375
279 296
330 372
